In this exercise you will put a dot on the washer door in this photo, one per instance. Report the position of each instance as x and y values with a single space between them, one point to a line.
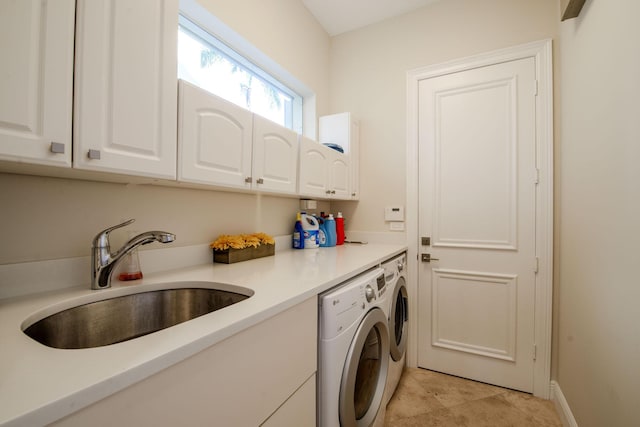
365 371
398 318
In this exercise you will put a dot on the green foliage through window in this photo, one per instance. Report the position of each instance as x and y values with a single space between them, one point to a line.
206 62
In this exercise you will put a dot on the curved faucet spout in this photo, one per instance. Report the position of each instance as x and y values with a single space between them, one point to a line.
103 261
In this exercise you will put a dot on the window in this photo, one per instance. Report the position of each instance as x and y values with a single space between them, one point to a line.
210 64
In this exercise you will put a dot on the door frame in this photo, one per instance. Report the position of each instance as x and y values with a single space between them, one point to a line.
541 51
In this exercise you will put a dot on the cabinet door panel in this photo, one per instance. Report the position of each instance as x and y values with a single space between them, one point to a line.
214 142
36 44
314 161
275 156
126 86
339 174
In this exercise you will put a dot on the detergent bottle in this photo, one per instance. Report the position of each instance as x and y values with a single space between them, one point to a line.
330 226
311 229
298 233
322 234
339 229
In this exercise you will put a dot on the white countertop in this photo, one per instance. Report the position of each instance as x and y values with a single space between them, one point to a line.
39 385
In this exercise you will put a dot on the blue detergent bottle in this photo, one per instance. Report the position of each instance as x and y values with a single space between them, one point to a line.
330 230
298 233
322 232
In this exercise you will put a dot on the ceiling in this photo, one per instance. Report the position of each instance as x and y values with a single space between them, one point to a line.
339 16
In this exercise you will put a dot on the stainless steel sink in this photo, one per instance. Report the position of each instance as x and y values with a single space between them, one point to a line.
123 318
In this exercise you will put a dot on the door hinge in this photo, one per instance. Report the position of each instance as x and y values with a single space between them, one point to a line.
537 178
536 265
535 88
535 351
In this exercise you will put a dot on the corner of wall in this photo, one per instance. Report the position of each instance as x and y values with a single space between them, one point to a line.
562 406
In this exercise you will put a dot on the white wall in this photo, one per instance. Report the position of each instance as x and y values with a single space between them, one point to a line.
50 218
368 78
598 221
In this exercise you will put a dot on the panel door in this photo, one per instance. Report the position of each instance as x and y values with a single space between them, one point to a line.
36 88
126 87
477 180
275 157
214 139
339 176
314 167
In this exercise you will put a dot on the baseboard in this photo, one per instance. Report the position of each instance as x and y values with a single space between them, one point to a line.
564 411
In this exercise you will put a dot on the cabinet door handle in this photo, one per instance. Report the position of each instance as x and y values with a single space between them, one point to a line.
57 147
333 191
260 181
94 154
248 179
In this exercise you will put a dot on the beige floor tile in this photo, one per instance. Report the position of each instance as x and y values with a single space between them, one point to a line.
452 391
493 411
438 418
410 399
543 411
427 398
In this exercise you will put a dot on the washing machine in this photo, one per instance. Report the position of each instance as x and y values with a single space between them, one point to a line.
353 352
396 281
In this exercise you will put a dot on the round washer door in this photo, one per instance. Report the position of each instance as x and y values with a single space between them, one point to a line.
365 371
398 318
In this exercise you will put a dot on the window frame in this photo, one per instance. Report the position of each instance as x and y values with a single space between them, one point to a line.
294 120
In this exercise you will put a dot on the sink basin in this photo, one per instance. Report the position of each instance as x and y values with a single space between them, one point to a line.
123 318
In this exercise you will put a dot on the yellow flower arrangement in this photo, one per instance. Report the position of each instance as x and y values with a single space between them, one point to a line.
241 241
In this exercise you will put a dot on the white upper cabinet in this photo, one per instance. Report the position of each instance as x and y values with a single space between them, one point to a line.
275 157
314 166
126 87
36 84
339 175
342 129
214 139
324 172
222 144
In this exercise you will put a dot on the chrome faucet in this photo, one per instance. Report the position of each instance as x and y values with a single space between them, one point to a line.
103 261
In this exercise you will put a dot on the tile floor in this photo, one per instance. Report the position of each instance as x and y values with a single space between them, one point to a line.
427 398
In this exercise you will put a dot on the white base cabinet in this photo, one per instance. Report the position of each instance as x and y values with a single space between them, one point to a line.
125 87
36 88
261 375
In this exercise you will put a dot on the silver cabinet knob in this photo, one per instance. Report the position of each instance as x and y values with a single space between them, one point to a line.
57 147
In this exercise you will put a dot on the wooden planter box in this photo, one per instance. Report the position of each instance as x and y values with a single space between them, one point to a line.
230 256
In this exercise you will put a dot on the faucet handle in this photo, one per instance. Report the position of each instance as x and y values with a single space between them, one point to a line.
102 238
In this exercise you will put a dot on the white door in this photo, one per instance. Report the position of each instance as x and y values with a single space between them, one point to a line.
125 101
36 84
477 177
